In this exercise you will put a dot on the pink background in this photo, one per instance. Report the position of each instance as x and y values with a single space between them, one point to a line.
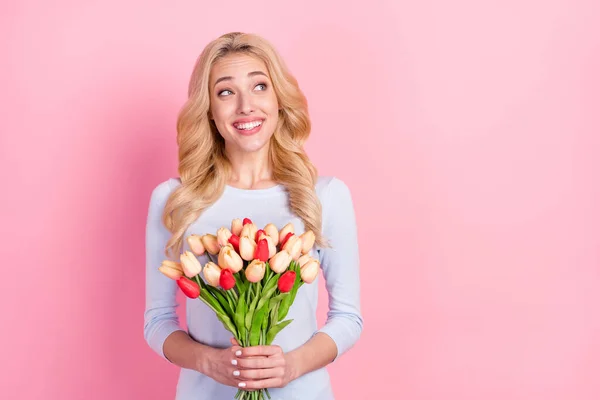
467 131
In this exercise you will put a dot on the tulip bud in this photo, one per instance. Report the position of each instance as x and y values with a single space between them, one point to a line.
249 230
272 247
196 244
294 246
308 240
210 243
188 287
273 233
259 233
235 242
247 221
262 250
286 281
247 248
171 269
280 261
212 274
289 227
190 264
228 258
236 226
223 235
309 271
304 259
285 239
226 280
255 271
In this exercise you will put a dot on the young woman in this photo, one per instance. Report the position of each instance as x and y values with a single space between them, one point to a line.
240 137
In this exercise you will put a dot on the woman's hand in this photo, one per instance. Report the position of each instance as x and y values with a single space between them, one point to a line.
260 367
219 365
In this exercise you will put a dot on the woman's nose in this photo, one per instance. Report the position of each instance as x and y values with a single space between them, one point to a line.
245 105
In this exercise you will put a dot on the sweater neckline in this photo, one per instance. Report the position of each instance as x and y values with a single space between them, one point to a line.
279 188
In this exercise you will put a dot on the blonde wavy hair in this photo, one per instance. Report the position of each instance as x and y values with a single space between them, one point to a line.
203 165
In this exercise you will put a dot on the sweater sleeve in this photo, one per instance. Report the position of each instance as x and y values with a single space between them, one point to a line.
160 318
340 266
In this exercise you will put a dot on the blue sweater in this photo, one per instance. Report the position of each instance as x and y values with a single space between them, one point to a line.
339 264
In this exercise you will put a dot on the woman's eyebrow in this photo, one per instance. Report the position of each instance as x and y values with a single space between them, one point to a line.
228 78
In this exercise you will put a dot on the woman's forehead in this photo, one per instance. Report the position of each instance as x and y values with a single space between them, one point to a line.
236 66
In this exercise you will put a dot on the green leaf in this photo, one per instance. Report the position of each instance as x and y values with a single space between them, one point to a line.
228 324
266 296
257 320
276 329
265 321
222 300
274 312
253 304
240 313
275 300
212 301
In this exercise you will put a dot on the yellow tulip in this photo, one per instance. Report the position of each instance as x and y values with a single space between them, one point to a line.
309 271
249 230
272 247
293 246
308 241
289 227
236 226
223 235
304 259
280 261
273 233
196 244
210 243
229 259
190 264
171 269
212 274
255 271
247 248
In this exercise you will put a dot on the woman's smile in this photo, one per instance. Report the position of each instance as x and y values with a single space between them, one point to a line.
248 126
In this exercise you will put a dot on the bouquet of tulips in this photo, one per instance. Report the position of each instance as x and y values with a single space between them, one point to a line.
250 281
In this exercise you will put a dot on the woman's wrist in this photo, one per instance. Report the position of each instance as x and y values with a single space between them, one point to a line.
202 354
295 365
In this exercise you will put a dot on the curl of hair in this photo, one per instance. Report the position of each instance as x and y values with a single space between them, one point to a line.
203 165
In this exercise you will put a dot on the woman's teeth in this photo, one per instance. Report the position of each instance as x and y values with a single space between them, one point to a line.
249 125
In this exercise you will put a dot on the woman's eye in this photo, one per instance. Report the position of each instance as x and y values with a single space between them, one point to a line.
222 92
264 86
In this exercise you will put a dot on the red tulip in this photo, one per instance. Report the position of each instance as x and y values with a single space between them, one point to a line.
285 239
235 242
257 236
246 221
189 287
262 250
227 280
289 227
286 281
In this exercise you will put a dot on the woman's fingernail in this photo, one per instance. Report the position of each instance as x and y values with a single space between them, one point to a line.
238 353
242 384
234 362
236 373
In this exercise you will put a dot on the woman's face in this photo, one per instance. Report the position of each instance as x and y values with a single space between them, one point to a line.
243 104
